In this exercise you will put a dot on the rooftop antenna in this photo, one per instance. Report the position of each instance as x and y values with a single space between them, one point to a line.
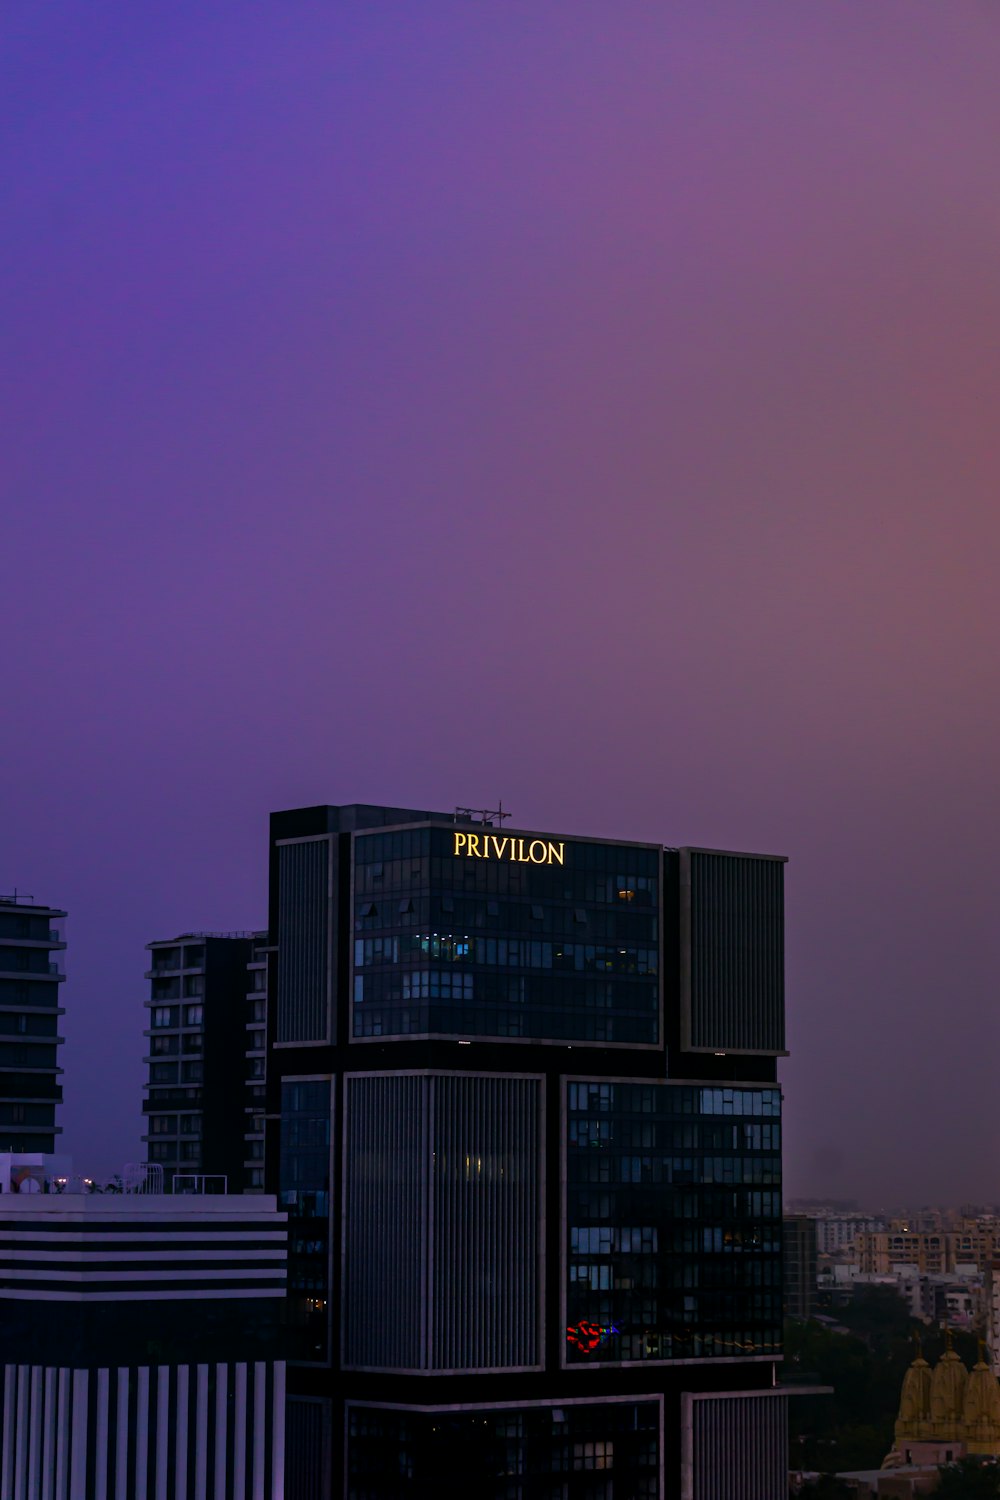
489 817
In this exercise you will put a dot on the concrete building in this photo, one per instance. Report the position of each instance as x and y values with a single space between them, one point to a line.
30 976
800 1262
255 1067
929 1252
142 1340
835 1233
204 1105
935 1252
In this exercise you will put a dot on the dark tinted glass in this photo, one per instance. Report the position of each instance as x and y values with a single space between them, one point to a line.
534 938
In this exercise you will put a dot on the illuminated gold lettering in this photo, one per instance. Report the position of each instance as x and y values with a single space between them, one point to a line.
516 850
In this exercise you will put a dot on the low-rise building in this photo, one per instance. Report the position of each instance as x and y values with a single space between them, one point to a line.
142 1346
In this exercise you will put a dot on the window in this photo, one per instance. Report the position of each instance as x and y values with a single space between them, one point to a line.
190 1124
162 1124
193 1015
191 1072
165 1015
628 1299
161 1151
194 984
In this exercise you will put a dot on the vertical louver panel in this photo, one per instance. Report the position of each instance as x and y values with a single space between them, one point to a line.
164 1432
307 1448
385 1222
442 1213
485 1222
304 1001
738 1447
732 952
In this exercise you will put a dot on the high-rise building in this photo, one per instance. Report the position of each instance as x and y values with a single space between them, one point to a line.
800 1265
30 977
549 1274
205 1062
142 1346
254 1067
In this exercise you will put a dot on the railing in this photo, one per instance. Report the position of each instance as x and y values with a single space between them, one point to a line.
187 1183
142 1177
187 936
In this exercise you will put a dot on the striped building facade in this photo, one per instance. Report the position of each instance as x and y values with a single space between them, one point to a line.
142 1345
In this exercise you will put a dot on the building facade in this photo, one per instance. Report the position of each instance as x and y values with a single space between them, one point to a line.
800 1265
554 1275
203 1106
142 1334
30 976
837 1233
254 1066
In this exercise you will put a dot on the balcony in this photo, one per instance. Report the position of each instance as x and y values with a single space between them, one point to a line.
51 971
36 944
30 1088
163 1097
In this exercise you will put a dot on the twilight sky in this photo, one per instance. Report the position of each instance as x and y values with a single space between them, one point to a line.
579 402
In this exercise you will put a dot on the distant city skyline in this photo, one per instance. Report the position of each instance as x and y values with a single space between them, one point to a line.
588 407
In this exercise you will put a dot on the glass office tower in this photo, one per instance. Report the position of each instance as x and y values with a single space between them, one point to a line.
529 1146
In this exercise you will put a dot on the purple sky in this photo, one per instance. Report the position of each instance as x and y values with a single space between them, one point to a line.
592 405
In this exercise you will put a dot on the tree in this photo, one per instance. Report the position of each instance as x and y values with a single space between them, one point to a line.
853 1428
826 1487
969 1479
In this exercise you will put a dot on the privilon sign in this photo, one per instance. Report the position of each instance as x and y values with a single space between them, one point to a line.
517 851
